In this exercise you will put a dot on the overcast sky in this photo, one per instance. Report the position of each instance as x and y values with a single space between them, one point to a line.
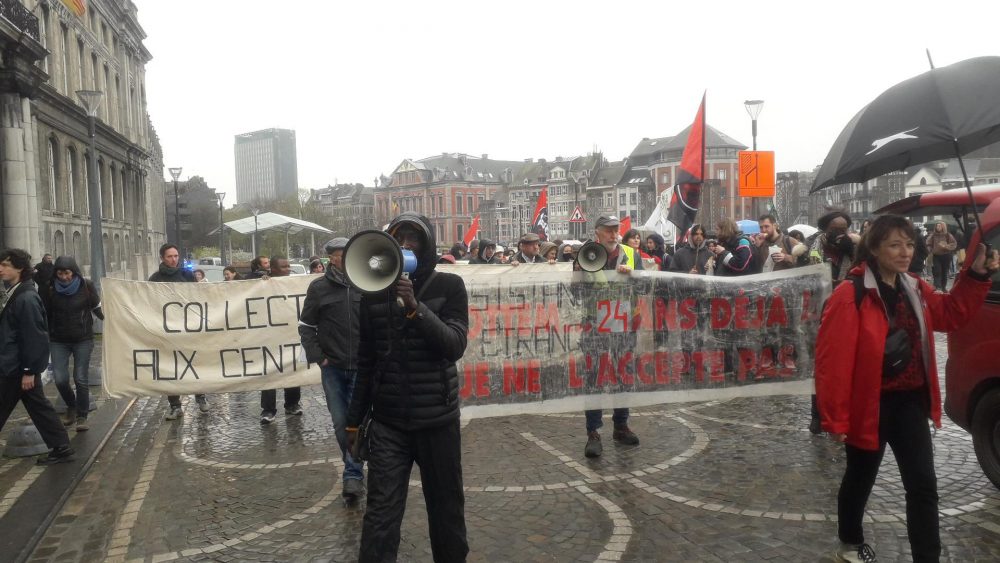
367 84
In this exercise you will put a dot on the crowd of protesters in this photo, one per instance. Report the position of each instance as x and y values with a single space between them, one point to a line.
407 395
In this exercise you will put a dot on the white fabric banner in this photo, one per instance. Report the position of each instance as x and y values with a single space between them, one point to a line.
541 337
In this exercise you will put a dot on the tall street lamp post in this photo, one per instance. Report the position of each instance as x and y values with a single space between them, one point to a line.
222 229
176 173
253 242
753 108
91 100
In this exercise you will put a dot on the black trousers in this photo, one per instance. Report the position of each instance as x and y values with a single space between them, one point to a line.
438 453
941 266
903 425
39 409
269 398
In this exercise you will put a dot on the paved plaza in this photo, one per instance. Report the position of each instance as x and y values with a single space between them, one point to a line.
735 480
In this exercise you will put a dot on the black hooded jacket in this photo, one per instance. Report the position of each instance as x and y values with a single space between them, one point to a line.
406 366
71 317
329 323
479 258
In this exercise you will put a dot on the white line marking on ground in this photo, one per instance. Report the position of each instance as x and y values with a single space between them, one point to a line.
18 489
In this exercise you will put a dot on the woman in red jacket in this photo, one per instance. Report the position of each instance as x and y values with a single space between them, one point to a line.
876 378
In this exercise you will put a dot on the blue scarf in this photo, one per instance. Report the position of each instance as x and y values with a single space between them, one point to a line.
68 288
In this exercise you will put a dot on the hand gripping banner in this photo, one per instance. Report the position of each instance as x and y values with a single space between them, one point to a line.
541 338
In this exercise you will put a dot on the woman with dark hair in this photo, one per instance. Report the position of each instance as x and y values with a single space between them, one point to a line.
633 238
656 248
229 273
199 275
877 382
316 267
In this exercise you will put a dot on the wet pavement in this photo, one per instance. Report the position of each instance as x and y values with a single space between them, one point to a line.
736 480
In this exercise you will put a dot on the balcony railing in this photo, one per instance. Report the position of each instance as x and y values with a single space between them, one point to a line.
20 17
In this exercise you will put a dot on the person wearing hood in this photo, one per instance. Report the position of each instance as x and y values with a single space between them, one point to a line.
486 253
329 329
71 303
172 271
547 250
834 245
407 380
656 247
692 257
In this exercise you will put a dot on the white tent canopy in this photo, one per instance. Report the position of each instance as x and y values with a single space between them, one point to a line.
273 222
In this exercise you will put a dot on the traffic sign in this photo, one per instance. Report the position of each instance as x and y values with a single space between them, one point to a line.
756 173
577 216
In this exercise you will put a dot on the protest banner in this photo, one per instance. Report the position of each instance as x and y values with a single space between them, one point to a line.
541 337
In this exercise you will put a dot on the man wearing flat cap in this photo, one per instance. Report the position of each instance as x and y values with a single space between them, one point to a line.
329 328
527 250
621 258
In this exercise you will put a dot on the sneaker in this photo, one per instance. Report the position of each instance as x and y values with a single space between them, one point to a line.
69 417
624 435
174 414
81 424
203 405
594 447
353 488
294 410
856 553
62 454
266 417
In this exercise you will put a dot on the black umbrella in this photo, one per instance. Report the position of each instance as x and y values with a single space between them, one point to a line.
940 114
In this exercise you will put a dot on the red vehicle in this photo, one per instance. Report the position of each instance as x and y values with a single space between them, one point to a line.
972 374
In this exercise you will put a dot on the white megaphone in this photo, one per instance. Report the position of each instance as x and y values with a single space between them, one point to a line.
592 257
373 261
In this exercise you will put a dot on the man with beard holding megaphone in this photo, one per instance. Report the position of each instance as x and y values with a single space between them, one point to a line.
412 333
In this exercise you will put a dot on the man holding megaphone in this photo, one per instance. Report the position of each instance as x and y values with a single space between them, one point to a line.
413 330
621 258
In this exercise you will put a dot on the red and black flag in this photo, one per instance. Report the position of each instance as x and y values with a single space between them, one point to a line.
686 198
540 222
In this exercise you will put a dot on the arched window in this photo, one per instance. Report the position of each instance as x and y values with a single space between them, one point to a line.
115 195
71 183
118 252
104 188
53 167
78 247
108 251
59 243
923 181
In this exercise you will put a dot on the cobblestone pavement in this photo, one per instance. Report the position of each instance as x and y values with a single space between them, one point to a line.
737 480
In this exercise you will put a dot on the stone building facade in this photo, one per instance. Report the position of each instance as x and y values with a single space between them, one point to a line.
45 136
350 208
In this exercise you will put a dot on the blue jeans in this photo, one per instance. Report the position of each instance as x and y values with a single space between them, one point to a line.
338 385
80 351
594 421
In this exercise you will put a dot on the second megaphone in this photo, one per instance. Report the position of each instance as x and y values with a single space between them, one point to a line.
373 261
592 257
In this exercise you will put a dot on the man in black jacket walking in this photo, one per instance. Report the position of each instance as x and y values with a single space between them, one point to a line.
24 354
407 376
280 267
329 327
171 271
71 303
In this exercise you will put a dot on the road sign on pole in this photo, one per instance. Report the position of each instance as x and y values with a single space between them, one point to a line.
577 216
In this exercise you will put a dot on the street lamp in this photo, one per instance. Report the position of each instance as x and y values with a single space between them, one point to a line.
222 229
176 173
753 108
91 100
253 242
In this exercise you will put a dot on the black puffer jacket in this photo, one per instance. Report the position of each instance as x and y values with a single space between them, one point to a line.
24 338
71 317
406 367
329 323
